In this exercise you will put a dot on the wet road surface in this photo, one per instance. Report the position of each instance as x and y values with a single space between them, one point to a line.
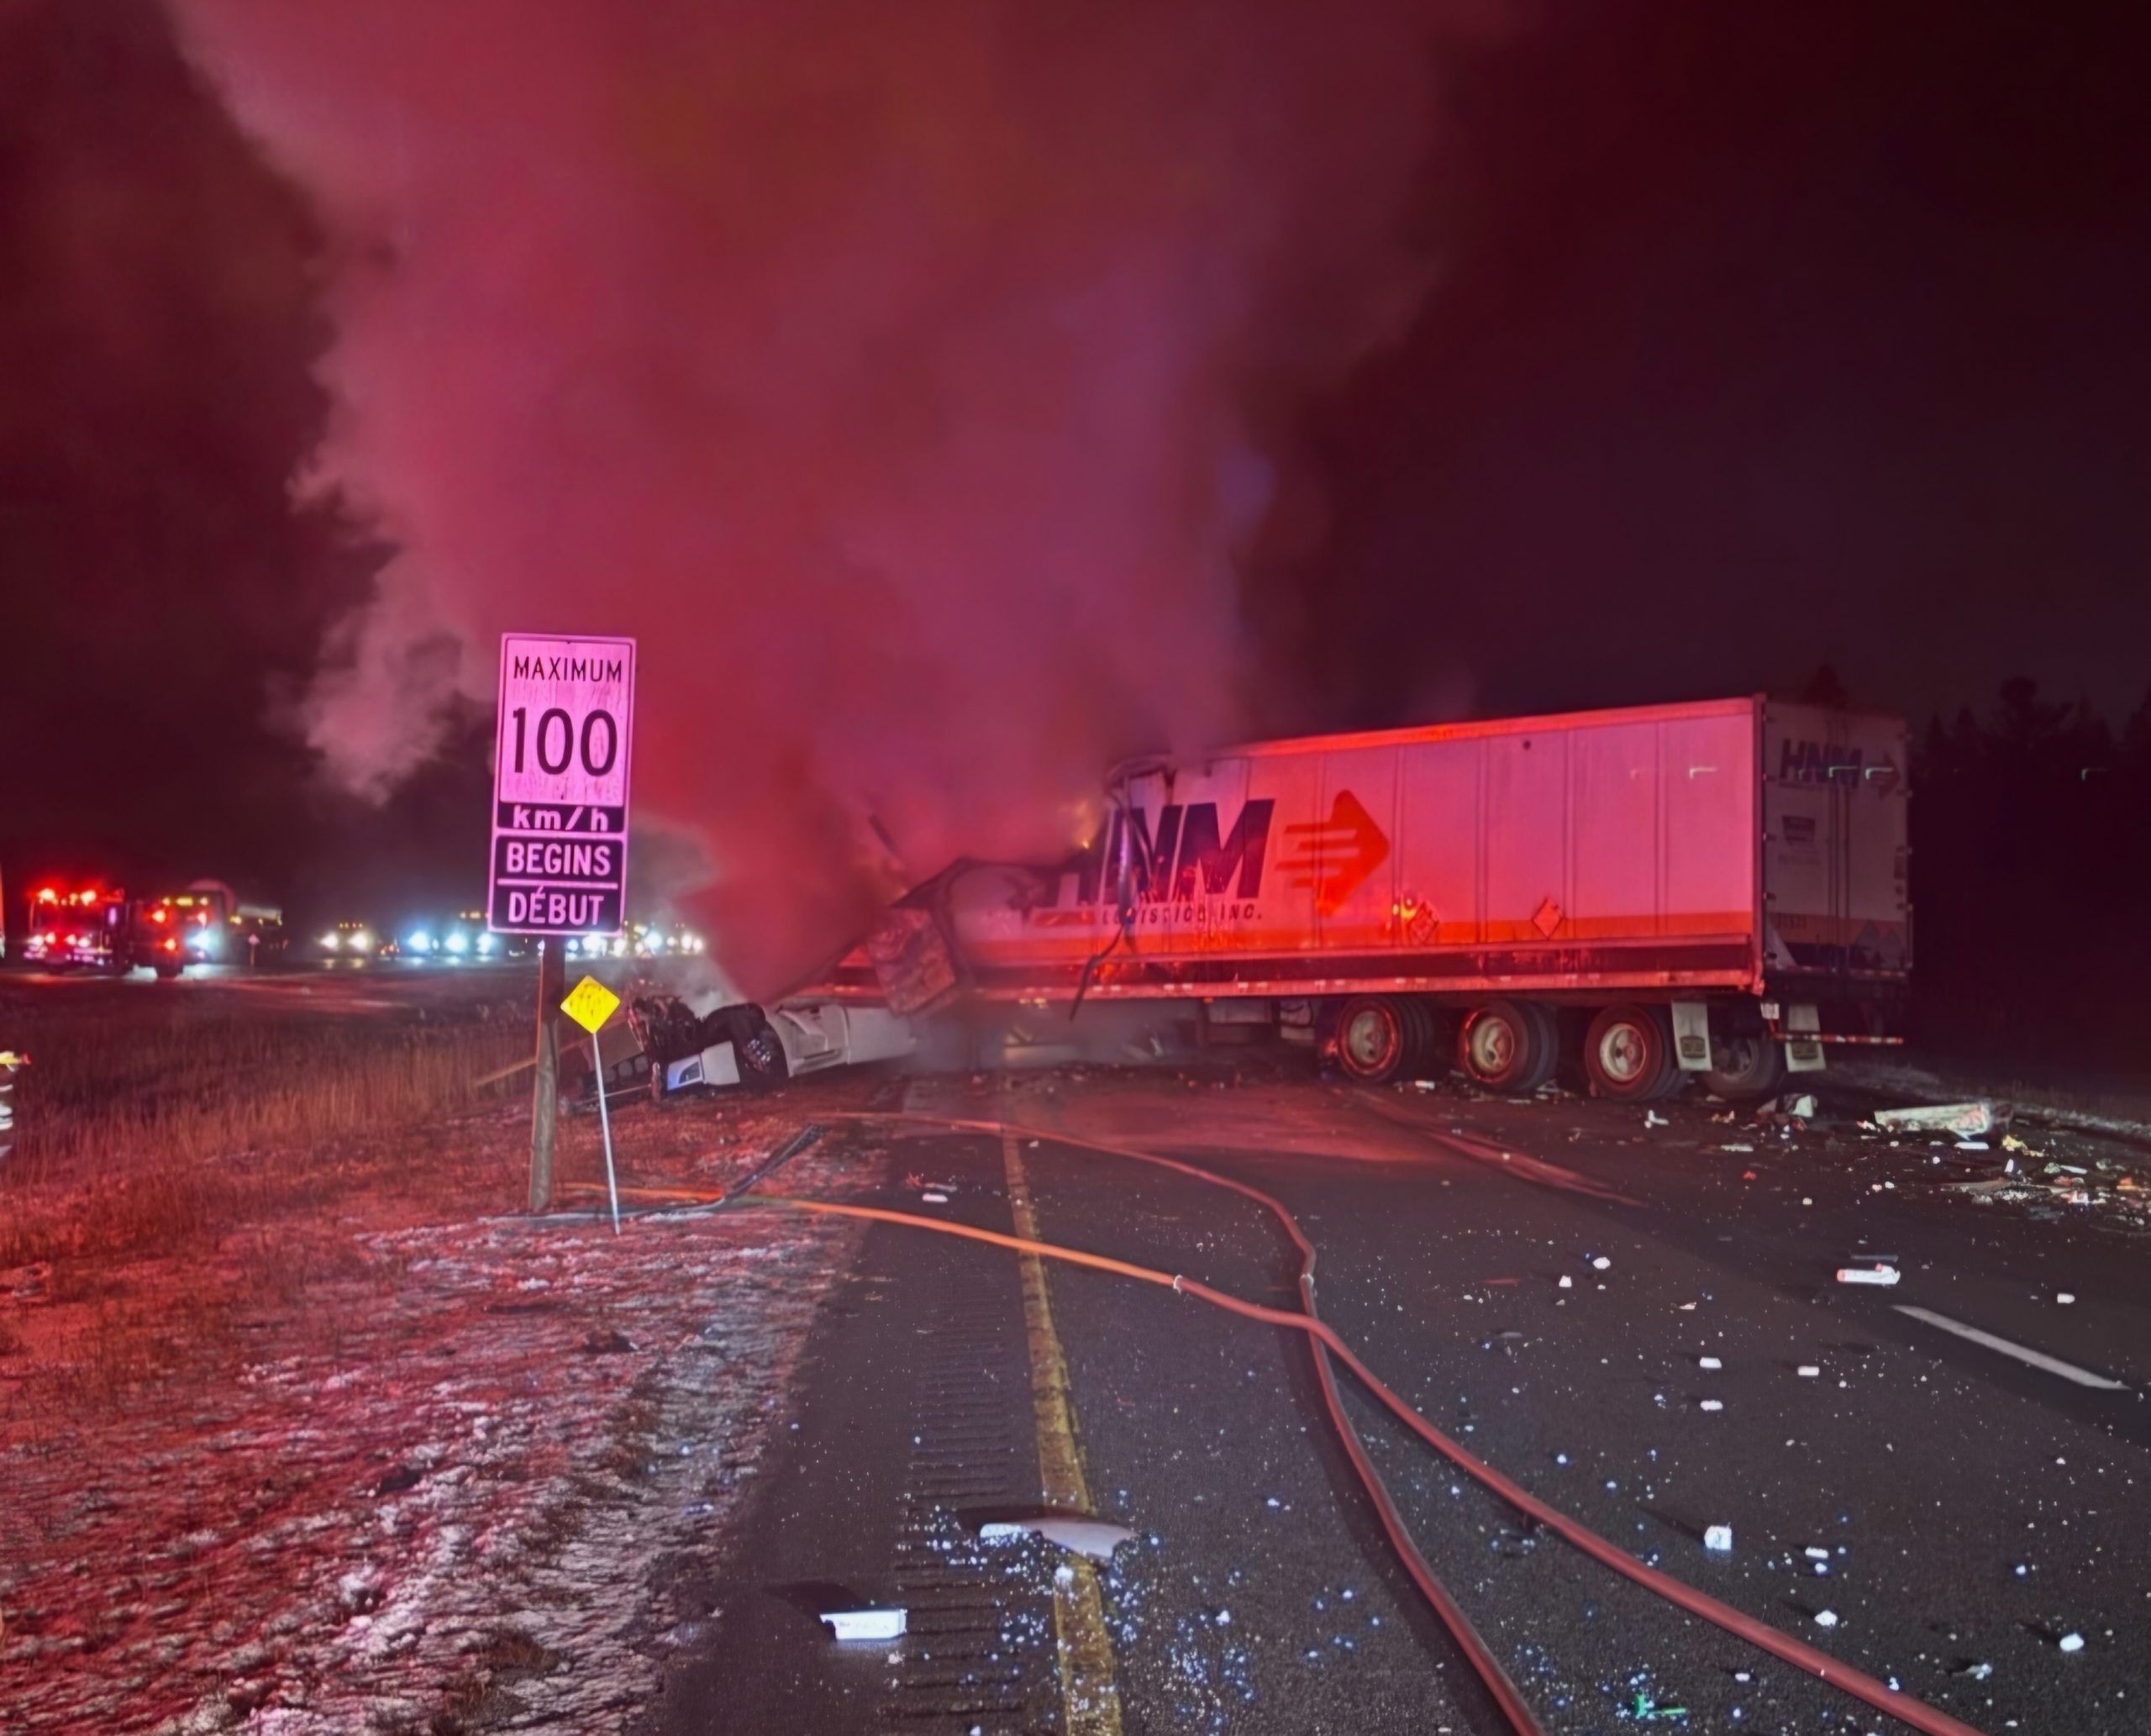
1954 1503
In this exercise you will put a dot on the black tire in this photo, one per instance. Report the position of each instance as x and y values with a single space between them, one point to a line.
1506 1046
1374 1038
1421 1053
1627 1053
761 1057
1547 1060
1756 1069
169 973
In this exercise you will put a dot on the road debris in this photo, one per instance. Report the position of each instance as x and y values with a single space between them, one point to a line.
1825 1618
1599 1263
1967 1120
934 1199
1708 1362
1710 1404
2072 1642
1652 1119
1808 1371
1876 1274
1718 1538
1646 1710
1096 1538
2064 1297
849 1624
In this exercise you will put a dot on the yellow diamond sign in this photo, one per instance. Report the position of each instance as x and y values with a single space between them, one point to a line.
589 1003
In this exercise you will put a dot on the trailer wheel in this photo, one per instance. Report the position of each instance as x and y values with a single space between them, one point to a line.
1627 1053
1548 1061
1754 1069
1507 1045
1422 1040
1374 1038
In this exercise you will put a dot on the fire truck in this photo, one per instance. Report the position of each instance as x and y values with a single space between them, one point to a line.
99 927
77 927
1714 891
207 923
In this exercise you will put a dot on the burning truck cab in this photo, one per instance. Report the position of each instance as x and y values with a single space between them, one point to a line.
1715 890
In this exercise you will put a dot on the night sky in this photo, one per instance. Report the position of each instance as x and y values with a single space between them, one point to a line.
1762 337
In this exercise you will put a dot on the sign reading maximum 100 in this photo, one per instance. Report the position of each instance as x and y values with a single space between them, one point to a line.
560 763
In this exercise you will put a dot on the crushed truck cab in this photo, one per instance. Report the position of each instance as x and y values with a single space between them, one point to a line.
746 1045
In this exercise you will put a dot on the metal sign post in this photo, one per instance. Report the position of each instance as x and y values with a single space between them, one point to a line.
561 753
545 1085
589 1003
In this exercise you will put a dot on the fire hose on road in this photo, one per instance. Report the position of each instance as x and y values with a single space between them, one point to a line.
1915 1713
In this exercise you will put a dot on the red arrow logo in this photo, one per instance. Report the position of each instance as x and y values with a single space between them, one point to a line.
1334 856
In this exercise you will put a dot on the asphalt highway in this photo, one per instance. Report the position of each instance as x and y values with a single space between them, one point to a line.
1950 1501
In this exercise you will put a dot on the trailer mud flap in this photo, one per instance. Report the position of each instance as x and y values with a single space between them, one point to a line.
1803 1055
1691 1036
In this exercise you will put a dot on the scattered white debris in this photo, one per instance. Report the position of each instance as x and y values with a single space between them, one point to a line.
1877 1274
1736 1146
2072 1642
1825 1618
1718 1538
1808 1371
1815 1553
935 1199
2064 1297
1969 1120
1713 1404
864 1623
1708 1362
1652 1119
1567 1282
1601 1263
1095 1537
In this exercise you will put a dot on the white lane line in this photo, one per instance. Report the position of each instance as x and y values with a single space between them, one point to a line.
2038 1359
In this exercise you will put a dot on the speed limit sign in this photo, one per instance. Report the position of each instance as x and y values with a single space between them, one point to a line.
561 762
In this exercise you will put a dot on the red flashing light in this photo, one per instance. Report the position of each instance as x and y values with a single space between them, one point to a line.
171 944
46 895
157 916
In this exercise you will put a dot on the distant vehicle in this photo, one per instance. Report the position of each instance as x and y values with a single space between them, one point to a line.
352 939
82 927
207 923
1716 889
99 927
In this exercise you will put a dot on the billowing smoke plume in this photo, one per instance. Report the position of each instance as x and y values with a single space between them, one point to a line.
892 371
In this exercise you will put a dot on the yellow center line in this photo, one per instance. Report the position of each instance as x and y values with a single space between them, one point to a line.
1089 1701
